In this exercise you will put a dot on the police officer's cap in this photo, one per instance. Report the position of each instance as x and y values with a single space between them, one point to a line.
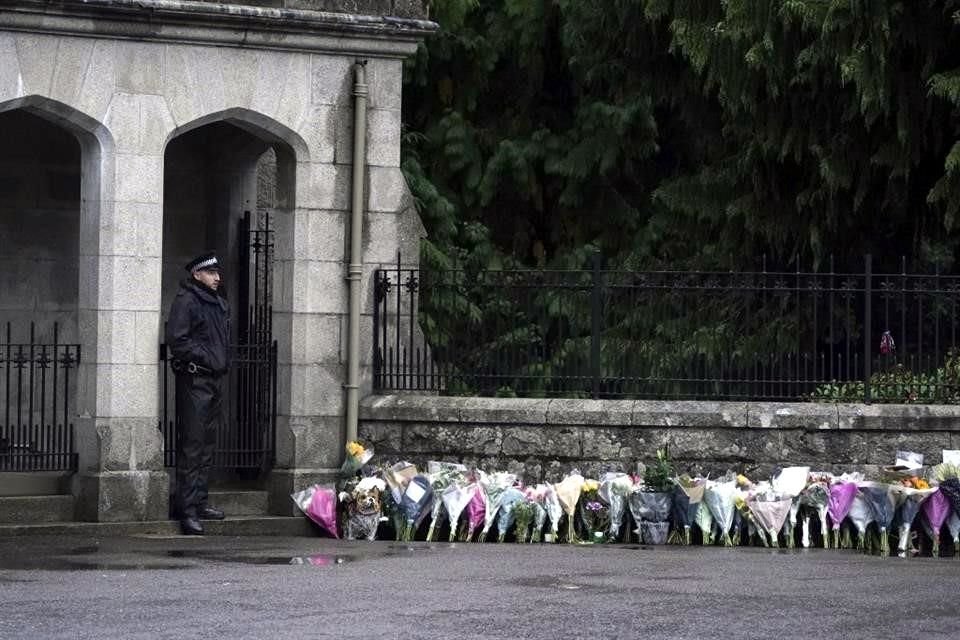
206 260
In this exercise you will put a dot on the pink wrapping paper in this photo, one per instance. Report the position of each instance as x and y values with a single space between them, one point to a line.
476 511
323 509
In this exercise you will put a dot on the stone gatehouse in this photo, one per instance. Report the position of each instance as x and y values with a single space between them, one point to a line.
137 133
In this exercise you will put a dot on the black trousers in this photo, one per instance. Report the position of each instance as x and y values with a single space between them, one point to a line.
199 414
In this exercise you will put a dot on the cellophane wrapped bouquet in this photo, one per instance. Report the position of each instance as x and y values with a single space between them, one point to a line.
594 512
614 489
687 497
442 475
568 494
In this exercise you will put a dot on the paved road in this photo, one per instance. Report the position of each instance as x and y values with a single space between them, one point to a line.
278 588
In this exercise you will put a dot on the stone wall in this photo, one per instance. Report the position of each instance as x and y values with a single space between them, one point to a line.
126 79
543 439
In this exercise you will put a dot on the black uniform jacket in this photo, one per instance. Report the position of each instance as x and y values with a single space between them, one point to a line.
198 329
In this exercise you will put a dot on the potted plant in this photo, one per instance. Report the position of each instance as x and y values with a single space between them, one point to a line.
651 504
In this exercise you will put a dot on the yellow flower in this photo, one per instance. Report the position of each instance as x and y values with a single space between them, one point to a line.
743 480
354 449
590 485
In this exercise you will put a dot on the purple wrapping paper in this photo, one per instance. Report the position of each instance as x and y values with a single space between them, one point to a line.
840 501
476 511
936 508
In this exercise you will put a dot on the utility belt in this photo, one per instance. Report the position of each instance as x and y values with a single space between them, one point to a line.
192 368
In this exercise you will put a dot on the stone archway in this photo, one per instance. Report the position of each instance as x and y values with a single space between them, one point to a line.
52 198
229 181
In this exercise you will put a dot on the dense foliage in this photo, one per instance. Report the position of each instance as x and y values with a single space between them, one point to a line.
675 134
686 131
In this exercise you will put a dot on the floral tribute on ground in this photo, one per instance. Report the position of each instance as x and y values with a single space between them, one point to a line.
909 510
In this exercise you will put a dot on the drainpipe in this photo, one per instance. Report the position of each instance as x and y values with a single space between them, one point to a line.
355 267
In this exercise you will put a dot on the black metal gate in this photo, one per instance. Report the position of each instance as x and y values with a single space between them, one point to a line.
38 403
247 435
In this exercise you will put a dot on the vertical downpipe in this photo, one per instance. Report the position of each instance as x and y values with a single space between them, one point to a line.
355 266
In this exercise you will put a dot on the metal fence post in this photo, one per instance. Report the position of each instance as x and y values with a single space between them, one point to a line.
867 323
595 301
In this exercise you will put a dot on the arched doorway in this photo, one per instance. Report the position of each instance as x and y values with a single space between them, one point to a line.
226 181
41 163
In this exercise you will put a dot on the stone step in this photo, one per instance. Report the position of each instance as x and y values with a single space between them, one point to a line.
34 483
239 503
232 526
36 509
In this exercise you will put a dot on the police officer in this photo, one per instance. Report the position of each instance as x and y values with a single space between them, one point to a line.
198 331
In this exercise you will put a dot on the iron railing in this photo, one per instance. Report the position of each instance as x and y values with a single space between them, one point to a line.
761 335
38 384
247 433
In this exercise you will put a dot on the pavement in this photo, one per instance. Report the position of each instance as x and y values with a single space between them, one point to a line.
168 586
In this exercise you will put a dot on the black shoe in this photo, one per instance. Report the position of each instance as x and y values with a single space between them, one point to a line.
210 513
191 527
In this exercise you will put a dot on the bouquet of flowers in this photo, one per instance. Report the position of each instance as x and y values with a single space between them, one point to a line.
568 493
494 486
442 475
651 512
861 515
914 492
524 514
536 496
455 498
947 476
651 505
769 511
936 508
415 504
511 498
687 496
720 497
883 499
790 483
476 513
357 456
397 477
838 506
594 514
614 489
551 504
704 522
743 512
815 498
320 505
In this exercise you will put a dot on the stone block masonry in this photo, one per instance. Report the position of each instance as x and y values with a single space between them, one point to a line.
162 109
544 439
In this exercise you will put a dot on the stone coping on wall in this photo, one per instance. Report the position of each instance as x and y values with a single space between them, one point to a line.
661 413
219 23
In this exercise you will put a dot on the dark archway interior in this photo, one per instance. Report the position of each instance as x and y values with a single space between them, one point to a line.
40 173
215 177
212 176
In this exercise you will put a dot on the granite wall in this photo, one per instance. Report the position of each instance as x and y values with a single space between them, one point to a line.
543 439
126 79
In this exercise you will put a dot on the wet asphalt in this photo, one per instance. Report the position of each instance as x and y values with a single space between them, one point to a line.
278 588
